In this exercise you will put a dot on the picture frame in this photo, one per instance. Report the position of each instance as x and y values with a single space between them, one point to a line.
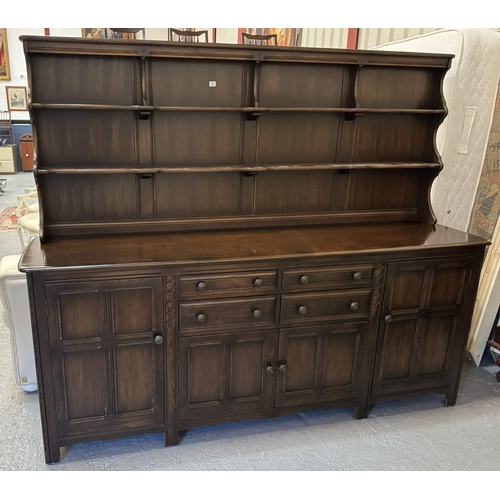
4 55
17 99
106 33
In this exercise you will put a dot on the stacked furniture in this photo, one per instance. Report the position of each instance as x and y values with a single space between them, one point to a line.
233 232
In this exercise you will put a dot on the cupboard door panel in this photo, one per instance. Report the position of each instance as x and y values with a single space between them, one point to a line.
434 345
85 383
423 326
319 364
107 371
225 374
397 349
135 378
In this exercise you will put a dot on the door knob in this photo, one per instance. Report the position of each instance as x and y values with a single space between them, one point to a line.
388 318
270 370
158 340
282 368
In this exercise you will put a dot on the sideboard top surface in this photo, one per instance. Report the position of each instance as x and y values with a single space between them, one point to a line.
239 245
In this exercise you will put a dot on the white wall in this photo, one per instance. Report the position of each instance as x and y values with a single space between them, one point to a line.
18 77
334 38
371 37
18 71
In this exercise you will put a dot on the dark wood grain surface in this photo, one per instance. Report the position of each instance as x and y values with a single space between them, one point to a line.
254 244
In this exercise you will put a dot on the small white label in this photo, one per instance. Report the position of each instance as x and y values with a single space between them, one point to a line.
212 83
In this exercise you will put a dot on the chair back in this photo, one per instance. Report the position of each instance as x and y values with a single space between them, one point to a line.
249 39
177 35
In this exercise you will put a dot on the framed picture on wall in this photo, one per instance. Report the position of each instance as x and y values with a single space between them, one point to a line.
4 56
16 98
107 33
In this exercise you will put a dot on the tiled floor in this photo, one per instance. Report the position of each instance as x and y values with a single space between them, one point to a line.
419 434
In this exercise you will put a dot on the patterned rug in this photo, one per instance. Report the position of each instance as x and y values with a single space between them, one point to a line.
8 219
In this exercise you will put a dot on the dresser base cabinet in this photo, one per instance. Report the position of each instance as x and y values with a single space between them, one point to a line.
164 347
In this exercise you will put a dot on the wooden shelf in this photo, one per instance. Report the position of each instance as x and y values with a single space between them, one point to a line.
234 168
259 109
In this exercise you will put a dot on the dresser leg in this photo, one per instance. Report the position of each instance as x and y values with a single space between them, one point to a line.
450 399
361 411
52 453
171 438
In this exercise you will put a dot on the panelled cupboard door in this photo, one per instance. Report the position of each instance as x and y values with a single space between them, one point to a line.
106 340
226 374
423 324
319 364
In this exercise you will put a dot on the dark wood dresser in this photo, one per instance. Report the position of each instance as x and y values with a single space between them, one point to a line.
234 232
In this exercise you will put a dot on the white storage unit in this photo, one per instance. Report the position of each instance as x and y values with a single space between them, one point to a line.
8 159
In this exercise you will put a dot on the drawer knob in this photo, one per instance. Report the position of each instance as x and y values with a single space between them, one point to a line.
158 340
202 286
270 370
304 280
388 318
201 318
257 282
257 313
27 155
282 368
302 310
356 276
354 306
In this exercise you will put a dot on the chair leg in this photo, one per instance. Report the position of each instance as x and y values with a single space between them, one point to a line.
21 237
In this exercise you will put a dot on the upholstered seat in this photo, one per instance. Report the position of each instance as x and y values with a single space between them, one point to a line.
28 216
14 306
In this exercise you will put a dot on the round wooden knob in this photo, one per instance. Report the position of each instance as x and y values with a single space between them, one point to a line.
201 318
302 310
388 318
282 368
257 282
257 313
270 370
158 340
354 306
202 286
304 280
356 276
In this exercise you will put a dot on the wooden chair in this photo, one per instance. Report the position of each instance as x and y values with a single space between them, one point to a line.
176 35
6 124
249 39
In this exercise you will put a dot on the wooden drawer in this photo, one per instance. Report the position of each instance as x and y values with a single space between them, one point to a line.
331 275
207 314
7 153
325 306
7 167
219 284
